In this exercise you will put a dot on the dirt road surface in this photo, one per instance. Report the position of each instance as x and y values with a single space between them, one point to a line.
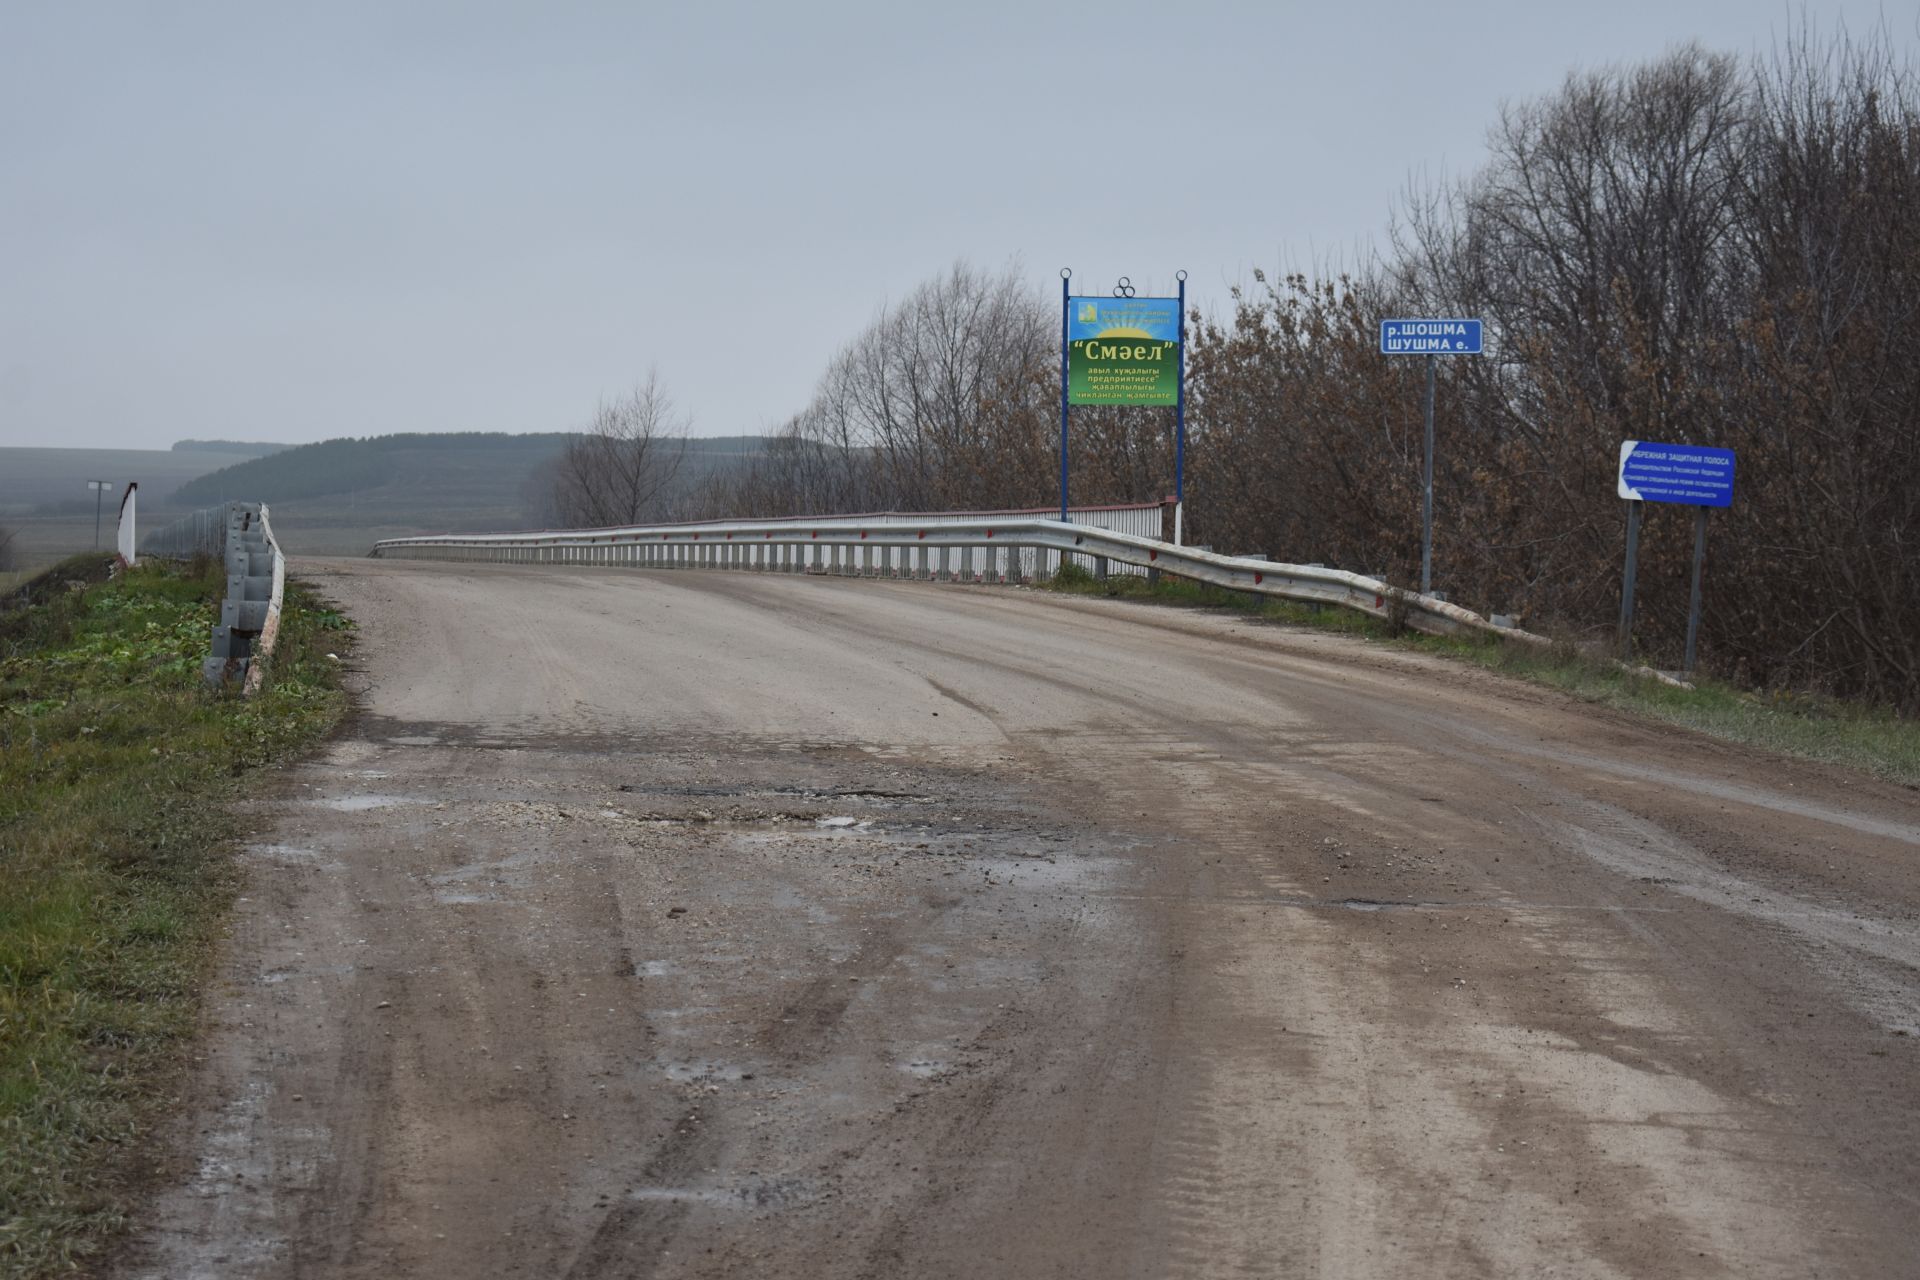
706 924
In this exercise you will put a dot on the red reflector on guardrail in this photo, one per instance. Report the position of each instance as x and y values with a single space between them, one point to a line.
1259 578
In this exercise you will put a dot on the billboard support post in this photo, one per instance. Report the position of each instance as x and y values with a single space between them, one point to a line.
1693 602
1066 305
1627 576
1426 501
1180 419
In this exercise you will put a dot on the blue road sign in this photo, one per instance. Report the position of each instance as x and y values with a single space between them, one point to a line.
1429 337
1686 473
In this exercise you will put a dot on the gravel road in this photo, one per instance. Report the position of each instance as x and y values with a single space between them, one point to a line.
705 924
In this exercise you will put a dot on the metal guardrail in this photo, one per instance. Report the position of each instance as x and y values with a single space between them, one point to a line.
940 548
240 534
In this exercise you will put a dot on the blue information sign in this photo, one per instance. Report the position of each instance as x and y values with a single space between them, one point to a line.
1686 473
1430 337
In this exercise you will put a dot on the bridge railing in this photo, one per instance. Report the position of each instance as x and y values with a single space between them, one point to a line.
939 548
240 535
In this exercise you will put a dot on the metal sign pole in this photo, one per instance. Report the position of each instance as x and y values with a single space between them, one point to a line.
99 488
1180 418
1626 580
1426 511
1693 605
1066 274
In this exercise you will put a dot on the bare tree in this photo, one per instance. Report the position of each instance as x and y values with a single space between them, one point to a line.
623 467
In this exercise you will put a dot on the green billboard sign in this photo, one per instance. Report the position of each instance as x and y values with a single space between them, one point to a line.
1123 351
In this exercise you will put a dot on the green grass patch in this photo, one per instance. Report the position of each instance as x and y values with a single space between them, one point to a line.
1872 740
117 767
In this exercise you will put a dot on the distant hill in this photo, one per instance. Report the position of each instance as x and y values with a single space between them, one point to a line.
339 495
37 482
430 468
246 448
434 462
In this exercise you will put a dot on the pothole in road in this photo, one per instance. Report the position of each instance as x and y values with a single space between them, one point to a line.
926 1068
769 1194
705 1072
874 796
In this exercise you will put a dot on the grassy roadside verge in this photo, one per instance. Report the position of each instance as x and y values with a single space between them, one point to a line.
1871 740
117 769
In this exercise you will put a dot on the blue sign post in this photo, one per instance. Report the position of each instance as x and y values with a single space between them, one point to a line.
1691 475
1429 338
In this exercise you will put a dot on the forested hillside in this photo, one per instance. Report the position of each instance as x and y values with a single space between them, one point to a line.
455 461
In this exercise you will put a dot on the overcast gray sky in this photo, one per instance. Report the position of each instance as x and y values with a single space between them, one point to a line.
295 221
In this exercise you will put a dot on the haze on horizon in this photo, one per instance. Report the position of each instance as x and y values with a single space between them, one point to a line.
273 222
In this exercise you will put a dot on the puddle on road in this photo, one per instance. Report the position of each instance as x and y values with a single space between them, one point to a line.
291 854
477 882
366 800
